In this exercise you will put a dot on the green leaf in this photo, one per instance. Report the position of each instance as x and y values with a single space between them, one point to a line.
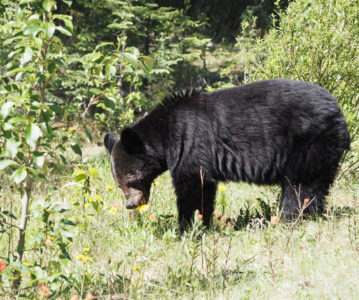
68 2
148 62
12 147
5 163
68 23
65 233
95 91
110 103
93 57
93 172
39 160
32 134
49 29
26 57
79 175
132 59
19 175
32 29
63 30
48 5
5 109
9 214
76 148
60 207
68 222
103 44
110 71
89 135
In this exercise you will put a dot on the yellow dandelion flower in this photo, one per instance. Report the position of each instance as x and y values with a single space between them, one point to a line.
51 238
143 207
25 263
113 210
80 257
109 188
135 268
87 259
221 188
86 249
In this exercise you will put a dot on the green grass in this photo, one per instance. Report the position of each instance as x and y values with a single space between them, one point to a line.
139 255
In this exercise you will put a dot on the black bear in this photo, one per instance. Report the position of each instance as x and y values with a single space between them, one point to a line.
279 131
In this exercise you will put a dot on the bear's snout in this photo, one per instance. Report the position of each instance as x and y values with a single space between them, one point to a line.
130 204
135 198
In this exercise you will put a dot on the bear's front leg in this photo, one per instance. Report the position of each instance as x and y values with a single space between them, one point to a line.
193 194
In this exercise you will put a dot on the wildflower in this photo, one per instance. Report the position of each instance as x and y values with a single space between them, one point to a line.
155 182
44 291
113 210
86 249
217 214
51 238
274 220
25 263
152 217
135 268
230 225
306 201
143 207
224 219
2 266
48 243
87 259
200 217
221 188
84 259
115 204
80 257
109 188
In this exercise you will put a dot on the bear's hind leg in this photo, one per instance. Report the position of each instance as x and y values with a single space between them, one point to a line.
313 196
303 198
192 195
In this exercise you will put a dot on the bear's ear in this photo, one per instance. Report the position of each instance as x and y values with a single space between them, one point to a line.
109 141
131 141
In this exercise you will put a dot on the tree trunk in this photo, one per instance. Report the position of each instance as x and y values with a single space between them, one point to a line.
25 200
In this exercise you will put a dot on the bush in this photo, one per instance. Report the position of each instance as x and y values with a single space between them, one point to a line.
315 41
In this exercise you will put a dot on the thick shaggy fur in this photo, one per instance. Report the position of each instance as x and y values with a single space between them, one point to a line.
269 132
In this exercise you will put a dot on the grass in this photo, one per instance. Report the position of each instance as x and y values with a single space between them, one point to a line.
139 255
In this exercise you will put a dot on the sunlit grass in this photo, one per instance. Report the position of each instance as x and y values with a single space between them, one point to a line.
139 254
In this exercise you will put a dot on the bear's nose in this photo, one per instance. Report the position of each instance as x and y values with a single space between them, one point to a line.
130 204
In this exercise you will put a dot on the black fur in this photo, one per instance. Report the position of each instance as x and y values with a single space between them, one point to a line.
109 141
269 132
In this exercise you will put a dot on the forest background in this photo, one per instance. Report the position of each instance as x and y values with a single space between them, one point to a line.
72 70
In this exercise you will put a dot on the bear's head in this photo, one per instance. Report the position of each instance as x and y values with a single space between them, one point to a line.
132 168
